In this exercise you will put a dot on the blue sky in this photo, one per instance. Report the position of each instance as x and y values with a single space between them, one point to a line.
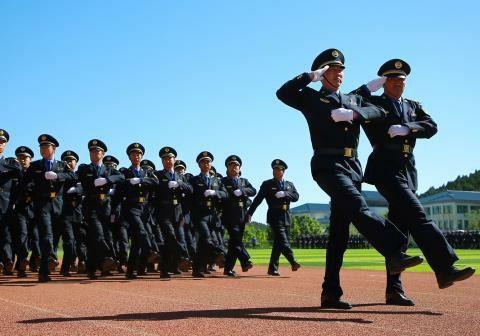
203 75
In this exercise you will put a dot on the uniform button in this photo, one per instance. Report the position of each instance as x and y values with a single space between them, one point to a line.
346 129
406 141
406 155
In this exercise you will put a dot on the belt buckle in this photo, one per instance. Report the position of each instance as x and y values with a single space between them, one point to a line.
348 152
101 197
406 149
240 204
285 207
175 202
209 203
53 194
74 204
141 199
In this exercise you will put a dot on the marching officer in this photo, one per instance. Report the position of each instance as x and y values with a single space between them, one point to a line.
96 180
168 197
47 177
279 193
181 168
134 191
235 214
391 168
72 219
10 172
207 191
334 122
24 216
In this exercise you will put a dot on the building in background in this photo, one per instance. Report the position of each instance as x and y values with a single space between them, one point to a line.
450 209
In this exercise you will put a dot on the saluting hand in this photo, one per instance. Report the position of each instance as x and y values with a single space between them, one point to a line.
398 130
376 84
317 75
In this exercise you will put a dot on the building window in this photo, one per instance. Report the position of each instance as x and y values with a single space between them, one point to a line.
437 209
466 224
427 210
447 209
474 208
461 209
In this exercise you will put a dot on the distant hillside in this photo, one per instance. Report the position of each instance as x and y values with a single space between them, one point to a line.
465 182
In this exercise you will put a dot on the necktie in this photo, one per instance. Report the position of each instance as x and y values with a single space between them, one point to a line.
172 176
281 185
48 165
207 181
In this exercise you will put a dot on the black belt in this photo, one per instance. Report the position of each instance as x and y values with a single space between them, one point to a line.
52 194
285 207
407 149
347 152
171 202
98 197
137 200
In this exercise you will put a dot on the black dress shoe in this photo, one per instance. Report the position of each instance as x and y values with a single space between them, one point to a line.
65 273
273 273
21 274
9 267
247 266
165 275
141 272
198 275
1 267
207 272
398 264
220 260
52 264
229 273
109 264
295 266
153 258
446 279
92 276
82 267
398 299
44 278
184 264
335 304
130 275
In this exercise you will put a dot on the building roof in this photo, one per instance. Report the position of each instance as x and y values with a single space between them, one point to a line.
310 207
451 196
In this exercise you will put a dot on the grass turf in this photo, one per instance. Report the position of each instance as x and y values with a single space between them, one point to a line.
359 258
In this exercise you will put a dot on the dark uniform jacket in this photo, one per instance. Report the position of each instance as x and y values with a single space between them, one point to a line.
329 138
278 208
48 190
393 157
168 201
24 198
235 207
204 206
72 203
135 196
97 197
10 172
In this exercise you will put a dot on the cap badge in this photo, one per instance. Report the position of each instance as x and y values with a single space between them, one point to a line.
335 53
398 65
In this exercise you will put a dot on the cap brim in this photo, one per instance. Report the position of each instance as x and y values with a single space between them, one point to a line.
167 155
234 161
47 143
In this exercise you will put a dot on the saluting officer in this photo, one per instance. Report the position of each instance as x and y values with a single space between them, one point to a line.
168 197
334 122
279 193
97 180
72 219
391 168
47 177
207 191
134 191
235 214
10 172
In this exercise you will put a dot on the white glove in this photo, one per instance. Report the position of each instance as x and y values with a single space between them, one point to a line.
280 194
100 181
209 192
318 74
172 184
50 175
342 114
237 192
398 130
135 180
72 190
376 84
111 192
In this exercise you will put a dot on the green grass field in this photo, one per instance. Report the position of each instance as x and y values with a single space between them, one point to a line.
359 259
